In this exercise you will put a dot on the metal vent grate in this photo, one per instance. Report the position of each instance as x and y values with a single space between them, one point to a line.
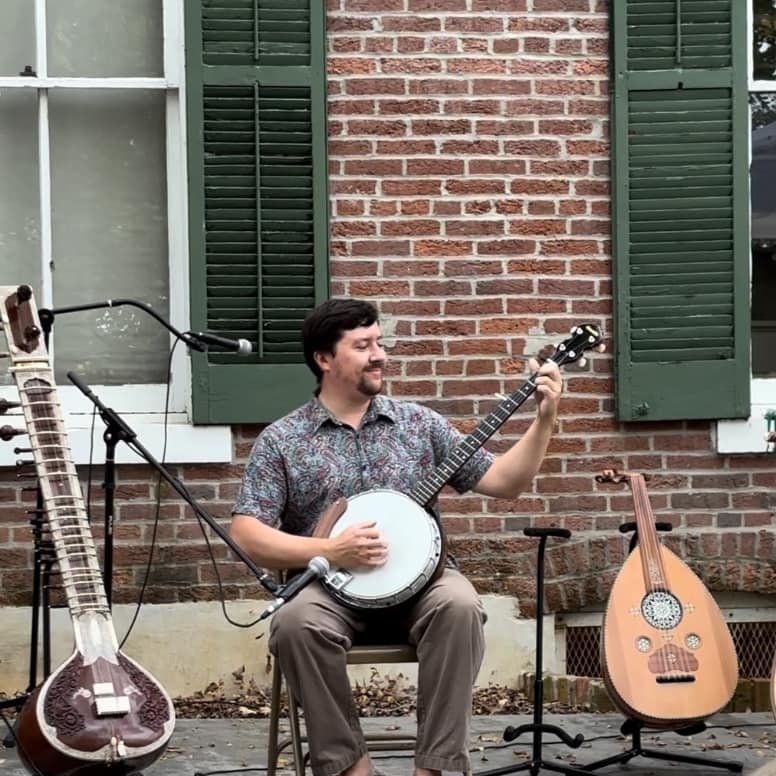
583 651
754 642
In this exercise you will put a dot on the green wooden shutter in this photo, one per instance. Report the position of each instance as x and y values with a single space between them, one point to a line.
680 209
258 212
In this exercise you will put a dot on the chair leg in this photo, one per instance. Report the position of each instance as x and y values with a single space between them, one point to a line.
274 719
296 735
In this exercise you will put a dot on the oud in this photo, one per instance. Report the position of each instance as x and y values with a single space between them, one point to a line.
99 712
667 655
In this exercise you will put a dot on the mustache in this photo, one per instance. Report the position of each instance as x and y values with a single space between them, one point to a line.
376 365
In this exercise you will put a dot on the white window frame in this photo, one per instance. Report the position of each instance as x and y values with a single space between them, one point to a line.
749 436
174 439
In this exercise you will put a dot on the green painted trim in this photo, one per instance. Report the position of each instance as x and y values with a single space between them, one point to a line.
698 386
227 389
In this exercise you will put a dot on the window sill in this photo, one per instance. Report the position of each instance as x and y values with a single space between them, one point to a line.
185 443
748 436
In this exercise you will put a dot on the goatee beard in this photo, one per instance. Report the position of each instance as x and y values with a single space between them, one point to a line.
369 389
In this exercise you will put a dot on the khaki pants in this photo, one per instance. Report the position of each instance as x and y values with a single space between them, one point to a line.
311 634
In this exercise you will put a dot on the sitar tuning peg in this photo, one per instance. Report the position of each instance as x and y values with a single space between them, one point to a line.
6 405
9 432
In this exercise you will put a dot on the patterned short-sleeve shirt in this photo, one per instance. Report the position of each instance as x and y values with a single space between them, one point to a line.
301 463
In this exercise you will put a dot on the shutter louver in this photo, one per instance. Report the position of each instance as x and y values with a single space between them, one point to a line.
260 223
259 204
256 32
681 253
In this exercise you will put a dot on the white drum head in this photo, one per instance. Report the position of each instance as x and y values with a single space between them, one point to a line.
414 548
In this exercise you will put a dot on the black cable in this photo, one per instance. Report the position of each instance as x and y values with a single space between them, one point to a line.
157 511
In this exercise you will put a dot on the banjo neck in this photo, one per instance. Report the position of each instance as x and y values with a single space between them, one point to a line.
584 337
427 489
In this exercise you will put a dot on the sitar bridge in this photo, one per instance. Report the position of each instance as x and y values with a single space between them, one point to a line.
108 704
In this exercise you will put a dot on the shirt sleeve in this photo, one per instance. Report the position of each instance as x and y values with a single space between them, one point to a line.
263 492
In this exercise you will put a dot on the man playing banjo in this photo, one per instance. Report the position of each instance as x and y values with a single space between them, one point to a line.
348 440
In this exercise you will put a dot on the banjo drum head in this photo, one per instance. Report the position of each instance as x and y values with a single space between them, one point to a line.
414 550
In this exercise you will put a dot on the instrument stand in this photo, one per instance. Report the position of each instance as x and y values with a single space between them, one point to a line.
538 726
633 727
44 559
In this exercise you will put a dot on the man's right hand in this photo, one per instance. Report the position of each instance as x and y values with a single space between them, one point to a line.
358 545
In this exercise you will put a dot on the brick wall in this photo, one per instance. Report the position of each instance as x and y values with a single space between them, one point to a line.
469 163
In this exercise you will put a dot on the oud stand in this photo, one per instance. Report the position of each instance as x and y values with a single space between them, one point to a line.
538 727
633 727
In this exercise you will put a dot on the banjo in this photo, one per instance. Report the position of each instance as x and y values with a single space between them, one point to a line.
413 533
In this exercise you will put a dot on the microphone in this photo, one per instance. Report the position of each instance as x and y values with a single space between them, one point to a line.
240 346
316 568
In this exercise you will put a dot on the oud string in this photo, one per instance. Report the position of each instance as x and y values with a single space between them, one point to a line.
652 562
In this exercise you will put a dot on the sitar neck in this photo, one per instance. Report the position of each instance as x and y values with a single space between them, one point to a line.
61 490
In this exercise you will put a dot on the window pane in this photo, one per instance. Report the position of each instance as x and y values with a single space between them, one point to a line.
17 36
104 37
764 40
19 206
109 233
19 197
763 205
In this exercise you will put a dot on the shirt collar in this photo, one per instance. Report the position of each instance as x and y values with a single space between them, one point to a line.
380 406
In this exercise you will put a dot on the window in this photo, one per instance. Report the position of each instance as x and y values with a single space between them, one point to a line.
108 174
749 435
90 132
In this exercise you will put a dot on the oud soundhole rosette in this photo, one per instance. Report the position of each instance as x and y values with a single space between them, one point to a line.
692 641
643 644
661 610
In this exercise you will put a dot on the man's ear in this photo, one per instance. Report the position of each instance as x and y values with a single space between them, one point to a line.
323 360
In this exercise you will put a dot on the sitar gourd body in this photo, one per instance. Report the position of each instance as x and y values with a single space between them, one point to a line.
667 655
99 713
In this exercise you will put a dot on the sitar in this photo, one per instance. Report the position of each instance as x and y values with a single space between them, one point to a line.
99 712
667 655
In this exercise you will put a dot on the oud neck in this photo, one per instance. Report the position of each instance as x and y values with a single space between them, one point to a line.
61 490
653 570
427 489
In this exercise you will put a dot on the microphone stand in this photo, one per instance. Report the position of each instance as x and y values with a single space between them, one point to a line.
123 432
47 318
115 430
